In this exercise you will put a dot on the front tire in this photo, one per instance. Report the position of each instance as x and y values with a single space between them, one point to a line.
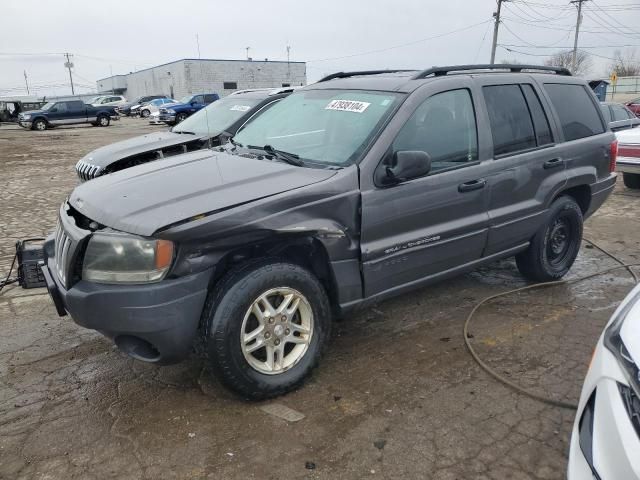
103 121
180 117
631 180
145 113
39 125
555 246
266 326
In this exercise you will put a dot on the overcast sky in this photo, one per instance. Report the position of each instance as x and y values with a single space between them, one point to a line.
331 35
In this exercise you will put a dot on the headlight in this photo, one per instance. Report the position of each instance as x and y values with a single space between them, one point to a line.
171 111
121 258
613 342
26 117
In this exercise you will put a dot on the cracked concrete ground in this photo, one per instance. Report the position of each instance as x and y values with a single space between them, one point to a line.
397 396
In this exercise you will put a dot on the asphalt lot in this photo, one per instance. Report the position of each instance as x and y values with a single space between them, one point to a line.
397 396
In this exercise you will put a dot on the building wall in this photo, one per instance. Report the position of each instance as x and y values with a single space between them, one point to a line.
207 76
185 77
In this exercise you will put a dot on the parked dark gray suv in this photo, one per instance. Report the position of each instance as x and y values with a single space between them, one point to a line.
359 187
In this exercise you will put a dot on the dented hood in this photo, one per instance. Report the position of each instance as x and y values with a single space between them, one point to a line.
146 198
105 156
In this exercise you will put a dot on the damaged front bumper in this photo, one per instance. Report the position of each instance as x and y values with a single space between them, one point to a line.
155 322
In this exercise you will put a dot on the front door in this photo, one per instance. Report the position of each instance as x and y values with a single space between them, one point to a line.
58 114
416 230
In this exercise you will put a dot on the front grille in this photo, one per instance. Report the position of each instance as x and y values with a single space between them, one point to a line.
87 171
163 110
62 252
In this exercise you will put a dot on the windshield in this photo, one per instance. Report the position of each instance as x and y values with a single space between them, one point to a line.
48 105
325 126
217 117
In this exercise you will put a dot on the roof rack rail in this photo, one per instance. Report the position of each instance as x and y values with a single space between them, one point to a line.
363 72
515 68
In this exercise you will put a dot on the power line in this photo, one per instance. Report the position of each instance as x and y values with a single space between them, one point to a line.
400 45
615 20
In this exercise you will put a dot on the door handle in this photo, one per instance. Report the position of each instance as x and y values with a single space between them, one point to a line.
553 163
472 185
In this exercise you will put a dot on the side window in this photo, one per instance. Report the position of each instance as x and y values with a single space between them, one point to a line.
619 113
61 107
444 126
511 124
197 99
576 109
75 106
209 98
605 112
540 120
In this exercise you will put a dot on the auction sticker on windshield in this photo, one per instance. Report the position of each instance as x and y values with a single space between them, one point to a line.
240 108
347 106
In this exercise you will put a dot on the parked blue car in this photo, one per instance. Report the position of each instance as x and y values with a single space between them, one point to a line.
173 114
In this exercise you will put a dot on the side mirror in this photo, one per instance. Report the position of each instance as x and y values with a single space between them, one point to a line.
406 165
193 104
53 110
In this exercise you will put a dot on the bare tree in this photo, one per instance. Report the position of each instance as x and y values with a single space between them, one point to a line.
626 64
564 59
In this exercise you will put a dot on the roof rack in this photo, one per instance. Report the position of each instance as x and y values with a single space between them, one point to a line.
515 68
363 72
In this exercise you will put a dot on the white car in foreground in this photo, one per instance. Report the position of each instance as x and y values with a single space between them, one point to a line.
628 161
605 443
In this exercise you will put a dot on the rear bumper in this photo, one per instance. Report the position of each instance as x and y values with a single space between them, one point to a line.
628 165
164 315
600 191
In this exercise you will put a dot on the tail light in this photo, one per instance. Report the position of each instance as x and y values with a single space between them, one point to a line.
613 156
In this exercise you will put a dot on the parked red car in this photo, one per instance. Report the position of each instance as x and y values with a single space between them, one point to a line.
634 106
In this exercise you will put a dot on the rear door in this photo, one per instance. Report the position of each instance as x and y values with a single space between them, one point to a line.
76 112
415 230
587 141
527 162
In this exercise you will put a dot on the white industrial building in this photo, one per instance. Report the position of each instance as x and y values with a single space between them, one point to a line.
188 76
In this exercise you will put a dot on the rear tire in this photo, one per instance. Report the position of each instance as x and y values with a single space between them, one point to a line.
39 124
555 246
145 113
631 180
286 340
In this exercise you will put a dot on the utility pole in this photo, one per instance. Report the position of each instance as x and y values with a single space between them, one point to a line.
26 82
496 26
288 62
68 64
574 57
198 43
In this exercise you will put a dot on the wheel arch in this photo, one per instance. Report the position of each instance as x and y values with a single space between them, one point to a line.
580 193
307 251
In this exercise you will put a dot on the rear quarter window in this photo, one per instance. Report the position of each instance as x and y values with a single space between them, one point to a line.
576 109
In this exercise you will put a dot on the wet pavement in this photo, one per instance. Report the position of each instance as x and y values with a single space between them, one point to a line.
397 396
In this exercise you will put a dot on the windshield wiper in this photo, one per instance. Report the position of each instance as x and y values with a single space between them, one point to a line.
287 157
184 131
